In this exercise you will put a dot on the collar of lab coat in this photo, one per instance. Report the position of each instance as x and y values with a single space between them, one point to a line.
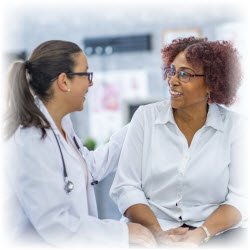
66 124
214 116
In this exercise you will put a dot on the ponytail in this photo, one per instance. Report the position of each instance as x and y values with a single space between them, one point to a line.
46 62
21 108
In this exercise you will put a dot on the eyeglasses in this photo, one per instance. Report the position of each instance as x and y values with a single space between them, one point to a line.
184 75
89 74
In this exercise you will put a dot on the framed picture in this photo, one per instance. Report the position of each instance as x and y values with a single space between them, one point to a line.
171 34
105 100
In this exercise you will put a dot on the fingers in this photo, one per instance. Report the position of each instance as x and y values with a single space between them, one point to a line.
177 237
178 230
140 235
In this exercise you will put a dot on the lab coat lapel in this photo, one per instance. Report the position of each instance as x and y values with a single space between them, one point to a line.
65 120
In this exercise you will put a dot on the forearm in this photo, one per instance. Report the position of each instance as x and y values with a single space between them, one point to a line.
223 218
143 215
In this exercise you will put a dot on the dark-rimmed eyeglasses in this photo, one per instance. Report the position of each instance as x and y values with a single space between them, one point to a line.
88 74
183 74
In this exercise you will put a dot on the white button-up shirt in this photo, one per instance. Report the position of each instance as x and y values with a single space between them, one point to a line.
181 184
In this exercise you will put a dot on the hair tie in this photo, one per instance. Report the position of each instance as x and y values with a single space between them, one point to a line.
27 64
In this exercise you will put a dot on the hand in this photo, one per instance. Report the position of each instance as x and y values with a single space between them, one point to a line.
141 236
194 237
164 237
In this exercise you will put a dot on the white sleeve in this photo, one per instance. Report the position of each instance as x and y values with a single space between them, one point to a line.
104 159
126 189
37 180
237 188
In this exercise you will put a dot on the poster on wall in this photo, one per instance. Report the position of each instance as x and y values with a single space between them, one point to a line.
105 99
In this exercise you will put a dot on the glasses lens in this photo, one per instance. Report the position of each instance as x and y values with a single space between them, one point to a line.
183 76
171 71
90 77
168 72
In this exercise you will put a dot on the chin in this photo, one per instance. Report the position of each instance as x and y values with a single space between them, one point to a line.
81 108
176 105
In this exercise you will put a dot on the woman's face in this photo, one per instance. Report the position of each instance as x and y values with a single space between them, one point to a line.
186 91
79 84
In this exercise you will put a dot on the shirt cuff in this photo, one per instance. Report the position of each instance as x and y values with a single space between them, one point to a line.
239 203
130 198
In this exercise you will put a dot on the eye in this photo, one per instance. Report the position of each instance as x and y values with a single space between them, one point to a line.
184 74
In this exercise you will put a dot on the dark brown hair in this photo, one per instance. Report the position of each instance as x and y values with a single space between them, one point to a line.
219 59
46 62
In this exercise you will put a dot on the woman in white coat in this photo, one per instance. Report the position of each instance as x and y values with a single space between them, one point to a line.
51 174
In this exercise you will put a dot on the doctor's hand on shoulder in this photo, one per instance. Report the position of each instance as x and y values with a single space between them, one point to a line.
140 236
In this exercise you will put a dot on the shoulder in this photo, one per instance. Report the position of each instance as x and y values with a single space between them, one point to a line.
27 139
233 121
231 116
154 109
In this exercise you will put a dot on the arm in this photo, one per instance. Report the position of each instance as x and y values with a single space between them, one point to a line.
36 176
104 159
223 218
127 189
143 215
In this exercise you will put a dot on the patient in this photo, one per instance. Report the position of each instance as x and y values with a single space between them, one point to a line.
183 160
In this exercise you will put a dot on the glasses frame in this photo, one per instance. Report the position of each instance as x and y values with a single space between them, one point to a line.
178 74
89 74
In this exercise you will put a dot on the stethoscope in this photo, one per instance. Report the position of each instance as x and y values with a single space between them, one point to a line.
69 185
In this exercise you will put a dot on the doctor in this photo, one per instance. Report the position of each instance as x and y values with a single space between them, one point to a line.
51 174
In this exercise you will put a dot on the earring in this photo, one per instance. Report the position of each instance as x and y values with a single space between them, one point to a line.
208 97
68 90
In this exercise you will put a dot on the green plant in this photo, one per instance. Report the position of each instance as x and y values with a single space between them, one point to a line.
90 143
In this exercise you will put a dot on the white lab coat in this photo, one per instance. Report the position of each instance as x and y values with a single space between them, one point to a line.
40 206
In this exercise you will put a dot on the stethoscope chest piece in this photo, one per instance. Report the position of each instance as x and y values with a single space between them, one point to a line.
69 186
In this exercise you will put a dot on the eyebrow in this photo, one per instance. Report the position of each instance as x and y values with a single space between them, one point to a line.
181 68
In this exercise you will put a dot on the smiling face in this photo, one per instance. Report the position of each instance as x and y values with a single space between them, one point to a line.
79 84
188 94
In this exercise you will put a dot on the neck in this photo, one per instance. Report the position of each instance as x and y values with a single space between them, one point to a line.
57 113
195 116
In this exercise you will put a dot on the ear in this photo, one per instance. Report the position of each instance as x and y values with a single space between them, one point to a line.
63 82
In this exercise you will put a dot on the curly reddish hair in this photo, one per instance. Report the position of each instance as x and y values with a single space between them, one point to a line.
219 59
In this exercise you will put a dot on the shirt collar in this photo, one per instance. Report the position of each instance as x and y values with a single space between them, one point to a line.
214 116
165 114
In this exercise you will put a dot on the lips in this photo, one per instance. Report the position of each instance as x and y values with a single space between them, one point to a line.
175 93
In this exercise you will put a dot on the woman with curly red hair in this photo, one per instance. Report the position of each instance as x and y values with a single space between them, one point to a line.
183 160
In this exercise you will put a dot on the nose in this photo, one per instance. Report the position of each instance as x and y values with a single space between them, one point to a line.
173 81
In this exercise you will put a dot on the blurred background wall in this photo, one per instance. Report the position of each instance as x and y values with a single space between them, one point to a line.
137 72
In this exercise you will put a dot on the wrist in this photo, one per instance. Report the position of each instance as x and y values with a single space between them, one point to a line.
155 229
206 233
